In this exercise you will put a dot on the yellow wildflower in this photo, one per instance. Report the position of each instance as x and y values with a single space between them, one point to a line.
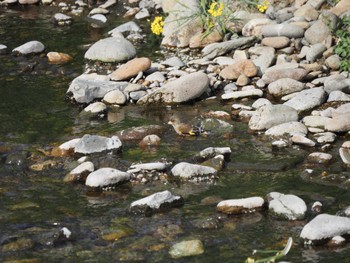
263 7
157 25
216 9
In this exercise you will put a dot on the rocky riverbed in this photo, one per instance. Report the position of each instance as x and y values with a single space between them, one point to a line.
258 141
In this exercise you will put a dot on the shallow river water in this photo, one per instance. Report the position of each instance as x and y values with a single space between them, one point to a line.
34 205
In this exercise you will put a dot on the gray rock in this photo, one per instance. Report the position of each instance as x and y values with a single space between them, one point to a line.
241 206
186 249
317 33
106 177
142 14
288 128
127 28
242 94
88 87
213 151
29 48
261 102
265 59
193 171
156 202
156 76
333 62
337 82
284 71
307 99
324 227
217 49
289 207
97 20
338 95
115 97
184 89
173 62
344 152
89 144
286 30
98 10
285 86
137 95
315 52
268 116
111 50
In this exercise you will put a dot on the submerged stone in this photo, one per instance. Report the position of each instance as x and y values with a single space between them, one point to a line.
186 249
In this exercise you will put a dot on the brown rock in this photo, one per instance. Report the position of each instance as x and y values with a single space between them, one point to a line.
276 42
131 69
341 7
242 80
58 58
244 66
201 40
229 73
292 73
150 140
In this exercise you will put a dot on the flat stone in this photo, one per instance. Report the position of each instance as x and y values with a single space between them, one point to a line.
268 116
192 171
131 69
80 173
338 95
317 33
129 27
289 207
58 57
339 123
288 128
96 107
89 144
111 50
302 140
186 249
106 177
337 82
344 152
307 99
29 48
319 158
241 206
285 86
286 30
279 72
242 94
315 121
115 97
276 42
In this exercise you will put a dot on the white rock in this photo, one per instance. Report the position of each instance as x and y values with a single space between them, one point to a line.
96 107
154 201
325 226
151 166
238 206
288 207
344 152
242 94
213 151
261 102
302 140
285 86
325 137
338 95
320 157
104 177
93 144
289 128
189 171
30 47
84 167
70 145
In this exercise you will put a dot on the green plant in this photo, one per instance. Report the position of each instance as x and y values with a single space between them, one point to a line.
342 48
271 259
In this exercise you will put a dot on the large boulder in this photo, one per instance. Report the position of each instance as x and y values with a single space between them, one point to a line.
186 88
111 49
268 116
88 87
324 227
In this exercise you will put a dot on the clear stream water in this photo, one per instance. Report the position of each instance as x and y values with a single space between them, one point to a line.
33 205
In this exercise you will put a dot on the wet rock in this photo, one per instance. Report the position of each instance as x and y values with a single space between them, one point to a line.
28 2
344 152
217 49
95 108
108 4
288 128
268 116
98 10
115 97
29 48
278 72
17 245
336 242
324 227
137 133
54 237
317 33
58 58
106 177
117 233
307 99
193 172
111 50
131 69
286 30
253 27
80 173
97 21
207 223
325 137
149 172
168 231
62 19
186 249
3 49
184 89
241 206
319 158
242 94
216 126
89 144
216 162
150 140
65 149
289 207
316 207
88 87
302 140
276 42
48 164
285 86
156 202
213 151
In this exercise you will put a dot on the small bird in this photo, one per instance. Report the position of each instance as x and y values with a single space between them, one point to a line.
184 129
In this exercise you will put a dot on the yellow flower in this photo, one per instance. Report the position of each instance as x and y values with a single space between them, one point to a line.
215 9
157 25
263 7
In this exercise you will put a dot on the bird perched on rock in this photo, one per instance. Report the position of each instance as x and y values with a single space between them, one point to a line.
185 129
